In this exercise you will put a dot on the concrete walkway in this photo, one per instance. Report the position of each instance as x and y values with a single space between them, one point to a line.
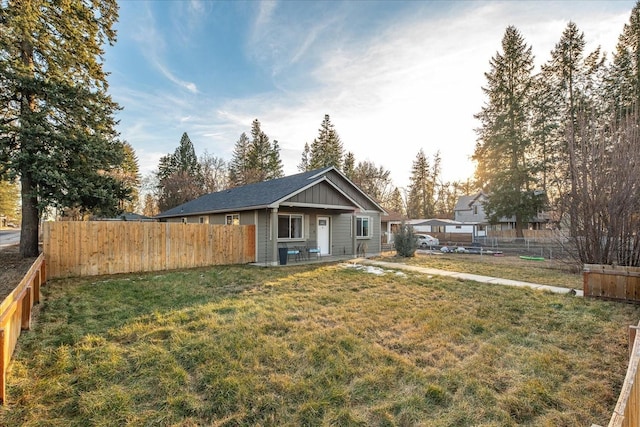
466 276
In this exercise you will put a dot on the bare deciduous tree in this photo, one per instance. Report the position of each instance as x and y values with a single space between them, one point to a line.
605 205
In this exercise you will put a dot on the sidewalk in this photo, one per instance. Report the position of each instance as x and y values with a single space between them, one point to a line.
467 276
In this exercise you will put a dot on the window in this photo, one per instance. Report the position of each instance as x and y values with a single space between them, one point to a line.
458 227
232 219
290 226
184 220
203 220
475 209
362 226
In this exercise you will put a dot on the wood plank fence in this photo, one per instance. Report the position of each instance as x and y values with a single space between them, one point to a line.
627 410
611 283
89 248
15 315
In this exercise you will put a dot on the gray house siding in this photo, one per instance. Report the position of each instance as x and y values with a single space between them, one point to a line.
322 193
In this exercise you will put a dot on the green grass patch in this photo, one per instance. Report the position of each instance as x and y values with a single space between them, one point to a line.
314 345
548 272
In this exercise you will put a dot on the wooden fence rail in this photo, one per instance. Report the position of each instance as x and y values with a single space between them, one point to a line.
89 248
15 315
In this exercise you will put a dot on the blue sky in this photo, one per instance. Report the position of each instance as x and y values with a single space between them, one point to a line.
395 77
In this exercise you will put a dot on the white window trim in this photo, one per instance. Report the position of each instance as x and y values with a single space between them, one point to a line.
302 223
232 216
369 230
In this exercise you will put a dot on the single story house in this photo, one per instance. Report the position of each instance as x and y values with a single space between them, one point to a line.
320 208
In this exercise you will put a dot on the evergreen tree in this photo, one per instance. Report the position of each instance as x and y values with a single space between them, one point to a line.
326 149
624 77
502 153
263 158
128 174
303 166
57 131
420 201
395 202
239 167
179 176
255 160
349 165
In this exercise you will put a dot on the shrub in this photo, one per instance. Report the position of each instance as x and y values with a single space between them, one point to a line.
405 241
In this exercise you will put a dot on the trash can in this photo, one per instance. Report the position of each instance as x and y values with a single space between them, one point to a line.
282 252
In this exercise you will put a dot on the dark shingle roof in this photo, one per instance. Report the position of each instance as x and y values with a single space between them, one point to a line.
252 196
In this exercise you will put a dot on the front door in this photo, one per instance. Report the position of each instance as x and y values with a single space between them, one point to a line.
323 235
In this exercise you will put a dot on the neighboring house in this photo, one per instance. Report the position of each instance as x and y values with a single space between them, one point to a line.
390 224
438 225
470 210
321 207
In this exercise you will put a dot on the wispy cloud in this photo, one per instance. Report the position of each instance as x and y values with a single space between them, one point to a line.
153 44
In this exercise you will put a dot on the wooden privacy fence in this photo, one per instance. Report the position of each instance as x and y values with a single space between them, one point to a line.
15 315
88 248
614 283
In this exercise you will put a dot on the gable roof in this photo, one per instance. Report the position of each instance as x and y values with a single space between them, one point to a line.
259 195
465 202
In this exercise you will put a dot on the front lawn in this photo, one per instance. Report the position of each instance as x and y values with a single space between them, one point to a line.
314 345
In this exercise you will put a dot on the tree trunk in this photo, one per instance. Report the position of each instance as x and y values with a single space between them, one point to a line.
519 227
30 218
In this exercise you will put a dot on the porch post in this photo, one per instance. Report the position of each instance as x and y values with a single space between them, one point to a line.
274 236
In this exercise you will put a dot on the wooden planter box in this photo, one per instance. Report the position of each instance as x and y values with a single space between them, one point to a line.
612 283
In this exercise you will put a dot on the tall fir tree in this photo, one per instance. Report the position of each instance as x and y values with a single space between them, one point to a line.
624 75
255 159
502 153
179 176
58 129
326 149
129 174
239 167
349 165
420 200
303 166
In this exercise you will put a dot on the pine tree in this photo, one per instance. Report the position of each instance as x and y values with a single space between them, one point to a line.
502 152
128 174
624 77
58 130
420 201
326 149
179 176
349 165
303 166
395 202
255 160
263 157
238 169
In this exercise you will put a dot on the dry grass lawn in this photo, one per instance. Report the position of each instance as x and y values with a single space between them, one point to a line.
314 345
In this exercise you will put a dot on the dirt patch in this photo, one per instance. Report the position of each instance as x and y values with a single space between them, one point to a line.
12 269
